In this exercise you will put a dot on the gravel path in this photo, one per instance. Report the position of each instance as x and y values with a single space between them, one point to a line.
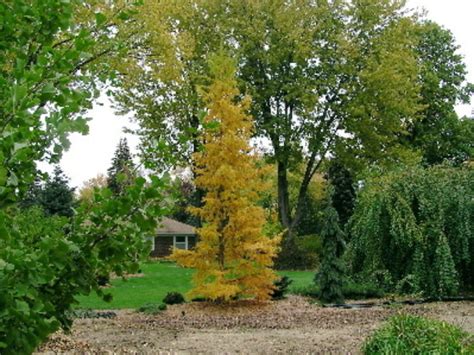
290 326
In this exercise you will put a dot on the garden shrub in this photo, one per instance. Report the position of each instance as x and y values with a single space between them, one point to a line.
350 290
417 226
383 279
359 291
103 280
407 334
281 287
92 314
152 308
173 298
407 285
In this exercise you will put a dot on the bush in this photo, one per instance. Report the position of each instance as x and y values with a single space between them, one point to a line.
407 285
357 291
173 298
152 308
312 291
407 334
350 290
103 280
281 288
92 314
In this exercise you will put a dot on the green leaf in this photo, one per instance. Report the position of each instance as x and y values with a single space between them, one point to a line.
100 18
22 307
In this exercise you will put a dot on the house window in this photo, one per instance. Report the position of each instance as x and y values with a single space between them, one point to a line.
180 242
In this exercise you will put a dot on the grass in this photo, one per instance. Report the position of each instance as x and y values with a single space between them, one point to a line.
159 279
408 334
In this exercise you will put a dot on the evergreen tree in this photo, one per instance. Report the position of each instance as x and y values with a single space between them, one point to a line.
331 273
233 257
56 197
188 197
33 194
122 171
343 198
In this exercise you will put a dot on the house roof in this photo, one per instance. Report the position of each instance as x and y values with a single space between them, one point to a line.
169 226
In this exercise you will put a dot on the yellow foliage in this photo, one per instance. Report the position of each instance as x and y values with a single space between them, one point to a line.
87 190
233 258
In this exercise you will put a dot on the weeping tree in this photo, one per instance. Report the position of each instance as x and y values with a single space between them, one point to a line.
417 225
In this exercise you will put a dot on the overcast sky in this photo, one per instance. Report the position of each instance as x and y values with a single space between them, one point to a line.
90 155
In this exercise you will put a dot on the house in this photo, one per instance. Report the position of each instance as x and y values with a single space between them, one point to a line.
171 233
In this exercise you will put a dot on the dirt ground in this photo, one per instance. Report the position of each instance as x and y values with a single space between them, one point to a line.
290 326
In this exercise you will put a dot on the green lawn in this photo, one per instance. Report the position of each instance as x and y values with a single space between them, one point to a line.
161 278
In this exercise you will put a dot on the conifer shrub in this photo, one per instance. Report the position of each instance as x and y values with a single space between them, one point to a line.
281 288
330 277
350 290
173 298
407 334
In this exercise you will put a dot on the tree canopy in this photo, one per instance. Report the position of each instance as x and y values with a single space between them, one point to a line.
440 135
324 77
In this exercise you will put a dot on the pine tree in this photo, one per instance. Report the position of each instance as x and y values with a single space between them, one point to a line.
33 194
344 194
233 258
56 197
122 171
331 272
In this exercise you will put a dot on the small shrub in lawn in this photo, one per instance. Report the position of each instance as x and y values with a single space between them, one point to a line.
350 290
407 334
173 298
281 287
103 280
307 291
358 291
152 308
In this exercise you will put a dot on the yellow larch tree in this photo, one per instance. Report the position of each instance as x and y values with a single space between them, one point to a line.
233 257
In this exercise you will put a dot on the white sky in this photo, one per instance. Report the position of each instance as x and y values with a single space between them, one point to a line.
90 155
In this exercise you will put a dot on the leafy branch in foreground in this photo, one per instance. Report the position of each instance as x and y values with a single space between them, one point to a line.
51 61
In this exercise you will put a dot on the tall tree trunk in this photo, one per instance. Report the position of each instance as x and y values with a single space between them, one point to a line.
284 210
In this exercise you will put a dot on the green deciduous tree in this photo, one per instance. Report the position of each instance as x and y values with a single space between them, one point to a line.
52 55
440 135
